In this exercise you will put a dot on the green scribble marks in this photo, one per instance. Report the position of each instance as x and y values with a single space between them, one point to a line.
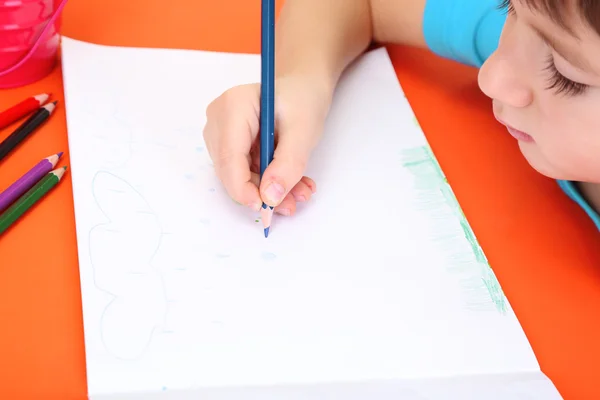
437 198
416 122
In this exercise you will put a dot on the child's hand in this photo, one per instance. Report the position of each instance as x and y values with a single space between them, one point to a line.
231 136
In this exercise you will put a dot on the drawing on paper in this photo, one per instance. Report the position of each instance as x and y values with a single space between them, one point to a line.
436 199
129 236
189 131
267 256
180 136
416 122
114 137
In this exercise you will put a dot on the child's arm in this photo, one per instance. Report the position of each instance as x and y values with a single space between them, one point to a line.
315 41
321 37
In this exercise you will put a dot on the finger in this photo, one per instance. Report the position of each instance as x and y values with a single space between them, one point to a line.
239 182
310 183
229 138
287 207
255 160
286 169
301 192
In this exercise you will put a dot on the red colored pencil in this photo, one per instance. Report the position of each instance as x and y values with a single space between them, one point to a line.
22 109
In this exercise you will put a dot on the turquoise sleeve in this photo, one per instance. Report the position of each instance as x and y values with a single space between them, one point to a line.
466 31
571 190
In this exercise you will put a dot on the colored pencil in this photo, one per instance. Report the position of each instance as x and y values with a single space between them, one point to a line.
267 98
26 128
22 109
30 198
26 182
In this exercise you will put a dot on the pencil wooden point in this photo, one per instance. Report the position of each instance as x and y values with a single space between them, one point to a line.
53 159
42 98
50 107
57 155
59 172
266 214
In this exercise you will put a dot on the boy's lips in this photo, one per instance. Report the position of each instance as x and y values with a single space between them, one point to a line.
517 134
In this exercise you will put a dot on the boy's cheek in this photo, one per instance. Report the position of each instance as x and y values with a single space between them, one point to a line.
560 155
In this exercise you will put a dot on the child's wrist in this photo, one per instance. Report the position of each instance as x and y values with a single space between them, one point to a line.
320 80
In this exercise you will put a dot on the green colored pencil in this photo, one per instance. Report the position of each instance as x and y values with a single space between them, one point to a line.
30 198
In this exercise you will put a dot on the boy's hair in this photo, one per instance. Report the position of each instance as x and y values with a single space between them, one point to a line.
561 11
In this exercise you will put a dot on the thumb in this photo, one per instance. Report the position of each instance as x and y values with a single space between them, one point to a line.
287 168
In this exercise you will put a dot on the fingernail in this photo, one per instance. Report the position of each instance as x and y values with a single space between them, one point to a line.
274 193
300 199
285 211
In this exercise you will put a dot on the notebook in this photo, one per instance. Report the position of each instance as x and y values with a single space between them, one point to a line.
375 289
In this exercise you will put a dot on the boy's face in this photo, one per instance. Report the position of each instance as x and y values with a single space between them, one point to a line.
545 86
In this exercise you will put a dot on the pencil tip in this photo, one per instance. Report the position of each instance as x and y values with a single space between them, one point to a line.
60 154
64 168
267 232
42 97
55 102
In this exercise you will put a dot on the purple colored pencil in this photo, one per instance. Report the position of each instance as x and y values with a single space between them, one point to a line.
26 182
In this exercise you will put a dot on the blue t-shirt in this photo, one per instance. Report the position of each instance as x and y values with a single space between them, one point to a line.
468 31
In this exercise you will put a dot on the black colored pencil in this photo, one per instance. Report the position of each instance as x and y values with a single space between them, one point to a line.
25 129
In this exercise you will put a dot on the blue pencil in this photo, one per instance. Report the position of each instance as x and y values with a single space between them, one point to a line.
267 98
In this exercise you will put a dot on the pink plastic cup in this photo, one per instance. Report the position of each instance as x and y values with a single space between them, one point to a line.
29 40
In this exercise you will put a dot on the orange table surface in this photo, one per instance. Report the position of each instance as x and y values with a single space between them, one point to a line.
544 250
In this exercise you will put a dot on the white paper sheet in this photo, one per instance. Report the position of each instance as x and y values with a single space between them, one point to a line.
376 286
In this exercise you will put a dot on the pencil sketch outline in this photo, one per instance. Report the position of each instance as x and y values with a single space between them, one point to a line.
436 199
190 131
113 115
115 297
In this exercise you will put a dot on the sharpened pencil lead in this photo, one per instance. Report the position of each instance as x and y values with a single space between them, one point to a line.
266 214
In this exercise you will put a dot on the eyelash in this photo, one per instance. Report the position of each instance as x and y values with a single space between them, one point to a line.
507 6
557 82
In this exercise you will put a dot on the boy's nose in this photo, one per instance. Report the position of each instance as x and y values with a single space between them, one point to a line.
501 80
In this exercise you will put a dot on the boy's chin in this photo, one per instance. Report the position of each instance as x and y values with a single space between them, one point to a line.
539 163
559 168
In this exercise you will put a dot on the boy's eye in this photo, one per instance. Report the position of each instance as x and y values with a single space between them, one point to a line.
560 84
507 6
557 82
